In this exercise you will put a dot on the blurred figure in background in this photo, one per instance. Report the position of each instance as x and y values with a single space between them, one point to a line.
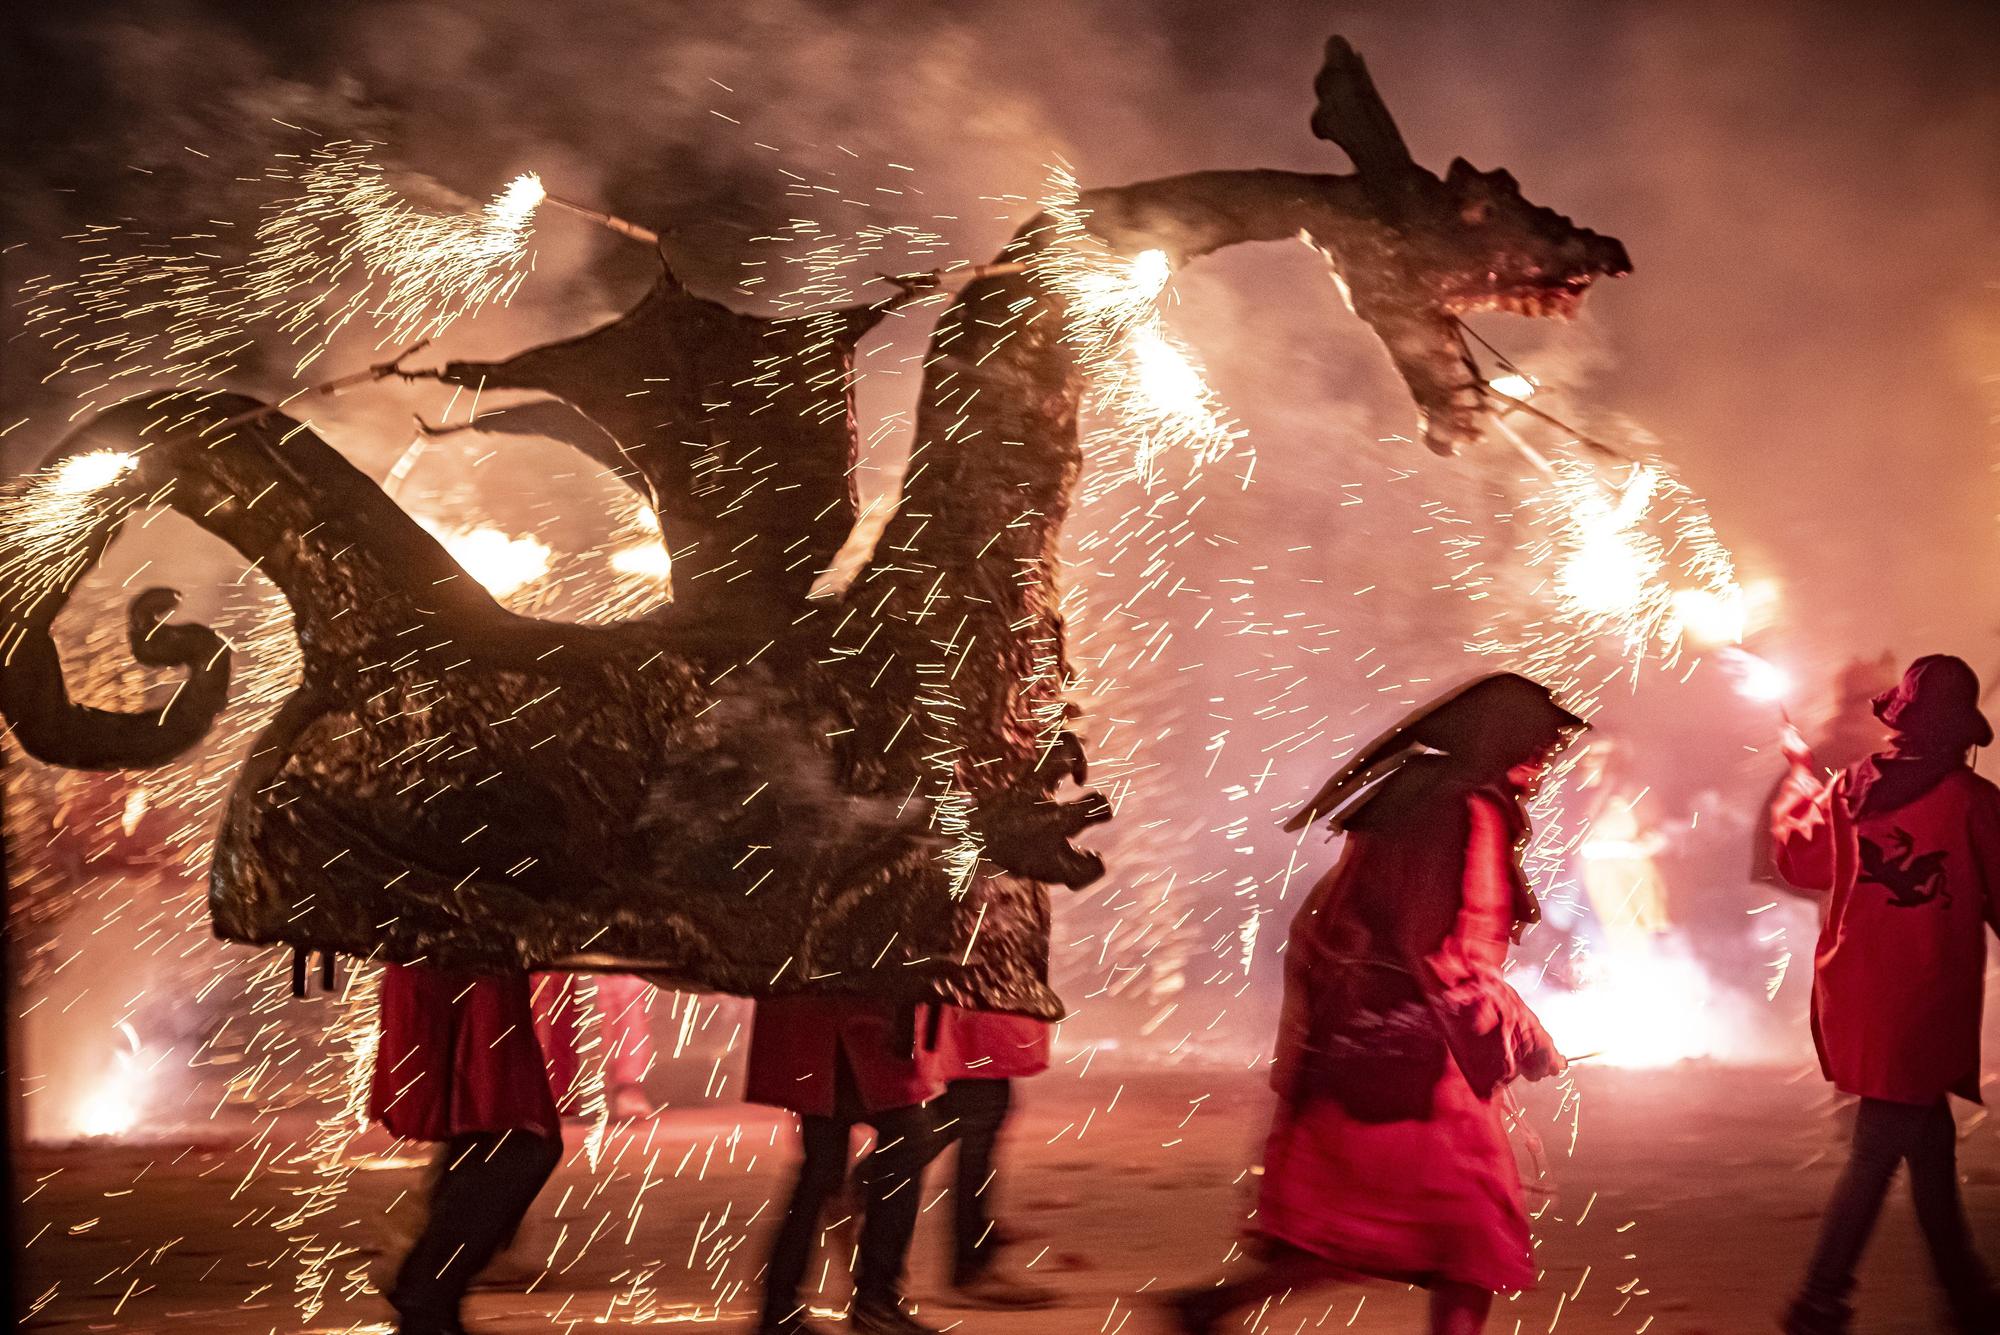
839 1062
1905 846
623 1006
1620 855
980 1055
458 1065
1389 1155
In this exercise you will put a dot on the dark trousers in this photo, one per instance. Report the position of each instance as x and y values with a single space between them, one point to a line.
1887 1135
971 1113
478 1200
891 1187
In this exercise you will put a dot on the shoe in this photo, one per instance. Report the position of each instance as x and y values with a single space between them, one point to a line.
1193 1310
991 1288
410 1323
885 1316
630 1104
1817 1316
789 1325
1980 1317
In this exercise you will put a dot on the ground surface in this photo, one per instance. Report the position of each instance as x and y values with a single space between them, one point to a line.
1686 1206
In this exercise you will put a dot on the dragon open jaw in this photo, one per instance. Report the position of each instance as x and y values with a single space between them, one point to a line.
1543 303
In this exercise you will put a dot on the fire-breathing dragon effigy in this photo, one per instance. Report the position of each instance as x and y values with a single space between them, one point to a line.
754 789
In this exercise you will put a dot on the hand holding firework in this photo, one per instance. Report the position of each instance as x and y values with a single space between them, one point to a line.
1793 743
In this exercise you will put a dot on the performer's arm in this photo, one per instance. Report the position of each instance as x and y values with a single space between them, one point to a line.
1481 933
1985 840
1470 959
1802 830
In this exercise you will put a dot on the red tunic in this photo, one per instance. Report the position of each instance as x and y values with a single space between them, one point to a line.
983 1045
558 1029
795 1041
1899 975
1420 1198
625 1033
458 1055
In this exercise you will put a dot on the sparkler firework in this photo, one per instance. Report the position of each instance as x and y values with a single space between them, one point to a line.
416 272
342 248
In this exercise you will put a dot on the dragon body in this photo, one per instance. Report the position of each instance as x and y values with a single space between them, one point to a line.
754 789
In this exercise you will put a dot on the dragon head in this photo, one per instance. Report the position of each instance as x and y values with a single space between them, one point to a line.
1533 260
1428 251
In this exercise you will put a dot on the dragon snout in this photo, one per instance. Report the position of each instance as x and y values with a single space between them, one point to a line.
1605 255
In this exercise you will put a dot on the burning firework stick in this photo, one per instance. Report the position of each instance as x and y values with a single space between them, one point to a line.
608 220
1594 446
625 227
330 388
1538 460
1467 335
975 272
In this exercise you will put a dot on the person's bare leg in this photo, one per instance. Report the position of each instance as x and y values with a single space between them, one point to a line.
1459 1309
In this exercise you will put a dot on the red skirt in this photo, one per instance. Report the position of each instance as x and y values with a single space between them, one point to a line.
458 1056
797 1045
1421 1201
983 1045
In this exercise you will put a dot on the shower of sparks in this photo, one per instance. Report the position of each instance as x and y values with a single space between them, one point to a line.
1631 574
46 521
416 272
1630 562
341 1080
1145 386
342 249
592 1056
338 251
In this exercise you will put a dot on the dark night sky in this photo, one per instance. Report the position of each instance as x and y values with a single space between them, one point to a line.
1810 192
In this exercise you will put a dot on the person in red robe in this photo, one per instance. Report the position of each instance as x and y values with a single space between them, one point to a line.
457 1064
839 1062
1905 849
979 1055
1388 1157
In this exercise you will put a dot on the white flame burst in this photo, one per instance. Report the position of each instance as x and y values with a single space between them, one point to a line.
84 473
113 1106
504 563
1637 562
1145 385
1758 678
